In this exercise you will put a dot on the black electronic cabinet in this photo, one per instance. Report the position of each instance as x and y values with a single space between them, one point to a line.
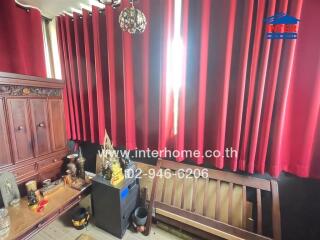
113 205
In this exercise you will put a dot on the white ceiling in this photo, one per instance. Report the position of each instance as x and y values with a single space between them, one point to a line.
52 8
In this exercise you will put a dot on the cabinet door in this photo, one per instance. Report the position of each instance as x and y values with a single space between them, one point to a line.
57 124
5 156
40 127
20 129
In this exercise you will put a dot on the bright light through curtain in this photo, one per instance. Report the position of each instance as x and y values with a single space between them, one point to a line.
116 80
240 90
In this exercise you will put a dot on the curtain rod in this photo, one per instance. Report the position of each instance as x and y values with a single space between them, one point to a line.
28 7
23 7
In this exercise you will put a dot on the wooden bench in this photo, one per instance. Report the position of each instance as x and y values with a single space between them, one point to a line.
198 222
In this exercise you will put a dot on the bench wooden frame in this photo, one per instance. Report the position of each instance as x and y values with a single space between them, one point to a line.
218 229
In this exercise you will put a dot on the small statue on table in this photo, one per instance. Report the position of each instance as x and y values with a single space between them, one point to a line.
111 164
75 174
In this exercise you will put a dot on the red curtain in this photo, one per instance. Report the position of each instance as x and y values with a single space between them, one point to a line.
299 115
258 96
114 78
21 41
261 97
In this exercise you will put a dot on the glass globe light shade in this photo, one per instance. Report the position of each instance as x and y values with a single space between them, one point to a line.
132 20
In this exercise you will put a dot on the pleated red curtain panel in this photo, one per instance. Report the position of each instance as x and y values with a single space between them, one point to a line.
21 41
241 90
114 79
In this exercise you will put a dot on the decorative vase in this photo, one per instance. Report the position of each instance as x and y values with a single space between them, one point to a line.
140 216
81 161
72 165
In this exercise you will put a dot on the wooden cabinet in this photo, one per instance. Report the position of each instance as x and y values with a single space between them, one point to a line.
57 124
40 126
32 129
20 129
5 156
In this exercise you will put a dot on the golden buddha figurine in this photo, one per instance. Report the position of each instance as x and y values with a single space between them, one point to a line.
117 174
111 160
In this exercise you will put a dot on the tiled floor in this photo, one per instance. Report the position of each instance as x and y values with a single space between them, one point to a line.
62 230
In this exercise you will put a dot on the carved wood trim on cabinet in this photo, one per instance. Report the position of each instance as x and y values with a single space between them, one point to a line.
30 81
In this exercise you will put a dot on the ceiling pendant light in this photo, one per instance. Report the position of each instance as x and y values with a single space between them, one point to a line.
132 20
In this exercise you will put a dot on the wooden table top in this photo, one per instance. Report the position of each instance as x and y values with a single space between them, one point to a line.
23 218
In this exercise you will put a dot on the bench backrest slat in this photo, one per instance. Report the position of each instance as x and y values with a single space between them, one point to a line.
235 181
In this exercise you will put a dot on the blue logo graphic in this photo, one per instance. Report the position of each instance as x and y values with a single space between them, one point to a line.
281 26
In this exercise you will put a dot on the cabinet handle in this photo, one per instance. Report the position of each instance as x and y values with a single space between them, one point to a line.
20 128
41 125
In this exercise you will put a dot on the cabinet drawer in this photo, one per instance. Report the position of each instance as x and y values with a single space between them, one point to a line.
52 172
48 220
38 227
25 172
49 168
48 163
